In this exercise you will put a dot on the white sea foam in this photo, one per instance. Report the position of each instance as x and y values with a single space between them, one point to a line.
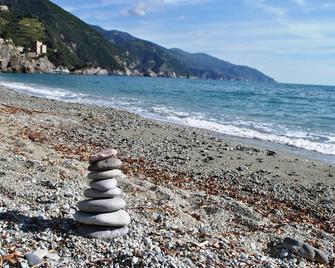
295 138
238 127
325 148
47 92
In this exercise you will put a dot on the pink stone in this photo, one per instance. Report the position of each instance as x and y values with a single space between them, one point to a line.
105 154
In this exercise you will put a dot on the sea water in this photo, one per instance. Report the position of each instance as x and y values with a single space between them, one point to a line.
299 116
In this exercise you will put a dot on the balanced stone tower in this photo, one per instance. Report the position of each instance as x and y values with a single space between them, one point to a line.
101 215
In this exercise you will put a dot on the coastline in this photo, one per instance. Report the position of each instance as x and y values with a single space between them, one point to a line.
263 196
291 145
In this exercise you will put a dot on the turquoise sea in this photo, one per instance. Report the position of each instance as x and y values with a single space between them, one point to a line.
299 116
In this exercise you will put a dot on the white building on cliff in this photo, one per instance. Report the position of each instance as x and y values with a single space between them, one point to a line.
4 8
40 48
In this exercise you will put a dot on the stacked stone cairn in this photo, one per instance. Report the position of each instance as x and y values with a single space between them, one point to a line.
101 215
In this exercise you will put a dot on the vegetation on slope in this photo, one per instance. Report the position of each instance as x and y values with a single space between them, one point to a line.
71 42
198 65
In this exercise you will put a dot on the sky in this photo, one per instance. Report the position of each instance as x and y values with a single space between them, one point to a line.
292 41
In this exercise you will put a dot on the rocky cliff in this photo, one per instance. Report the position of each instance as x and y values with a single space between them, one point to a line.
8 51
13 61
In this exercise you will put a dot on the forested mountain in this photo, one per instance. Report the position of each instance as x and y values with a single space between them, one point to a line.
74 44
148 55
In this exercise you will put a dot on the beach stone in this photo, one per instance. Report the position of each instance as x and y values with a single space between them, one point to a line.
320 256
292 244
33 259
103 185
53 256
107 164
284 253
101 175
102 205
117 218
307 252
93 193
102 232
41 253
105 154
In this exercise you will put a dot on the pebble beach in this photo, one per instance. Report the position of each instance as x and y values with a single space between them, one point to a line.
195 199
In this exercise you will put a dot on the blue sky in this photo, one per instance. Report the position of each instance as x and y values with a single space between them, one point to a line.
289 40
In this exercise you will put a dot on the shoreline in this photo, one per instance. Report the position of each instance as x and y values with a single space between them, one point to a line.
195 199
230 141
312 155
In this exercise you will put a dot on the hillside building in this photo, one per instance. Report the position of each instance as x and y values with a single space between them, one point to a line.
21 49
40 48
4 8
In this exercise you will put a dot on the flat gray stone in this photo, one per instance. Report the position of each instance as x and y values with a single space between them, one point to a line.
93 193
41 253
53 256
103 185
320 256
33 259
107 164
102 175
102 232
105 154
307 252
101 205
113 219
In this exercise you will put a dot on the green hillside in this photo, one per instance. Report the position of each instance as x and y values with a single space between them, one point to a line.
199 65
208 67
75 44
146 55
71 42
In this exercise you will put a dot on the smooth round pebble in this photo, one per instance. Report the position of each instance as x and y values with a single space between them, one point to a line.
117 218
105 154
320 256
93 193
307 252
101 175
102 232
107 164
292 244
103 185
102 205
284 253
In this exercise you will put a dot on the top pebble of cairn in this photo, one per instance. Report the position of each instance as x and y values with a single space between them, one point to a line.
103 155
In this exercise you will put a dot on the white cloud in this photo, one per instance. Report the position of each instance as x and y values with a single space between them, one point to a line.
328 5
143 7
95 5
140 9
300 2
266 7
